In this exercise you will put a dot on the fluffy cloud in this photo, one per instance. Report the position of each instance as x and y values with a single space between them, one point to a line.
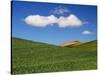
43 21
40 21
70 21
86 32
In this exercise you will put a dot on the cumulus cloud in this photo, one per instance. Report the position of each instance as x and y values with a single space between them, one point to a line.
70 21
60 10
40 21
43 21
86 32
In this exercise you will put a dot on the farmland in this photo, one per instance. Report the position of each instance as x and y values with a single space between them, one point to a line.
35 57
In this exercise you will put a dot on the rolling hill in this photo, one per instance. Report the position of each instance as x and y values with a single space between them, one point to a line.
71 44
35 57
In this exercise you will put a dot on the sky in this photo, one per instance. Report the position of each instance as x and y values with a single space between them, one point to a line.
53 23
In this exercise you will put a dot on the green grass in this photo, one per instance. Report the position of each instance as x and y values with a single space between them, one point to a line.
34 57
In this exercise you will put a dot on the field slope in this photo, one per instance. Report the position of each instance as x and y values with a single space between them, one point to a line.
34 57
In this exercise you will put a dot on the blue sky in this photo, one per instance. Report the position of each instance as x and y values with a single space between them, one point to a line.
58 28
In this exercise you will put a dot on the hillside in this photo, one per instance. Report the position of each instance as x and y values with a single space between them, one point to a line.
71 44
35 57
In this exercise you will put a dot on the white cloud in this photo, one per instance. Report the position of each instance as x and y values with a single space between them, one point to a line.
70 21
43 21
40 21
86 32
59 10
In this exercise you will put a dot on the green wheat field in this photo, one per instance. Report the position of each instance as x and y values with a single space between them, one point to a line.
35 57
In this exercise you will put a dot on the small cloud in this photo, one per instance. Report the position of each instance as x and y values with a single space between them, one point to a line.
43 21
86 32
60 10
